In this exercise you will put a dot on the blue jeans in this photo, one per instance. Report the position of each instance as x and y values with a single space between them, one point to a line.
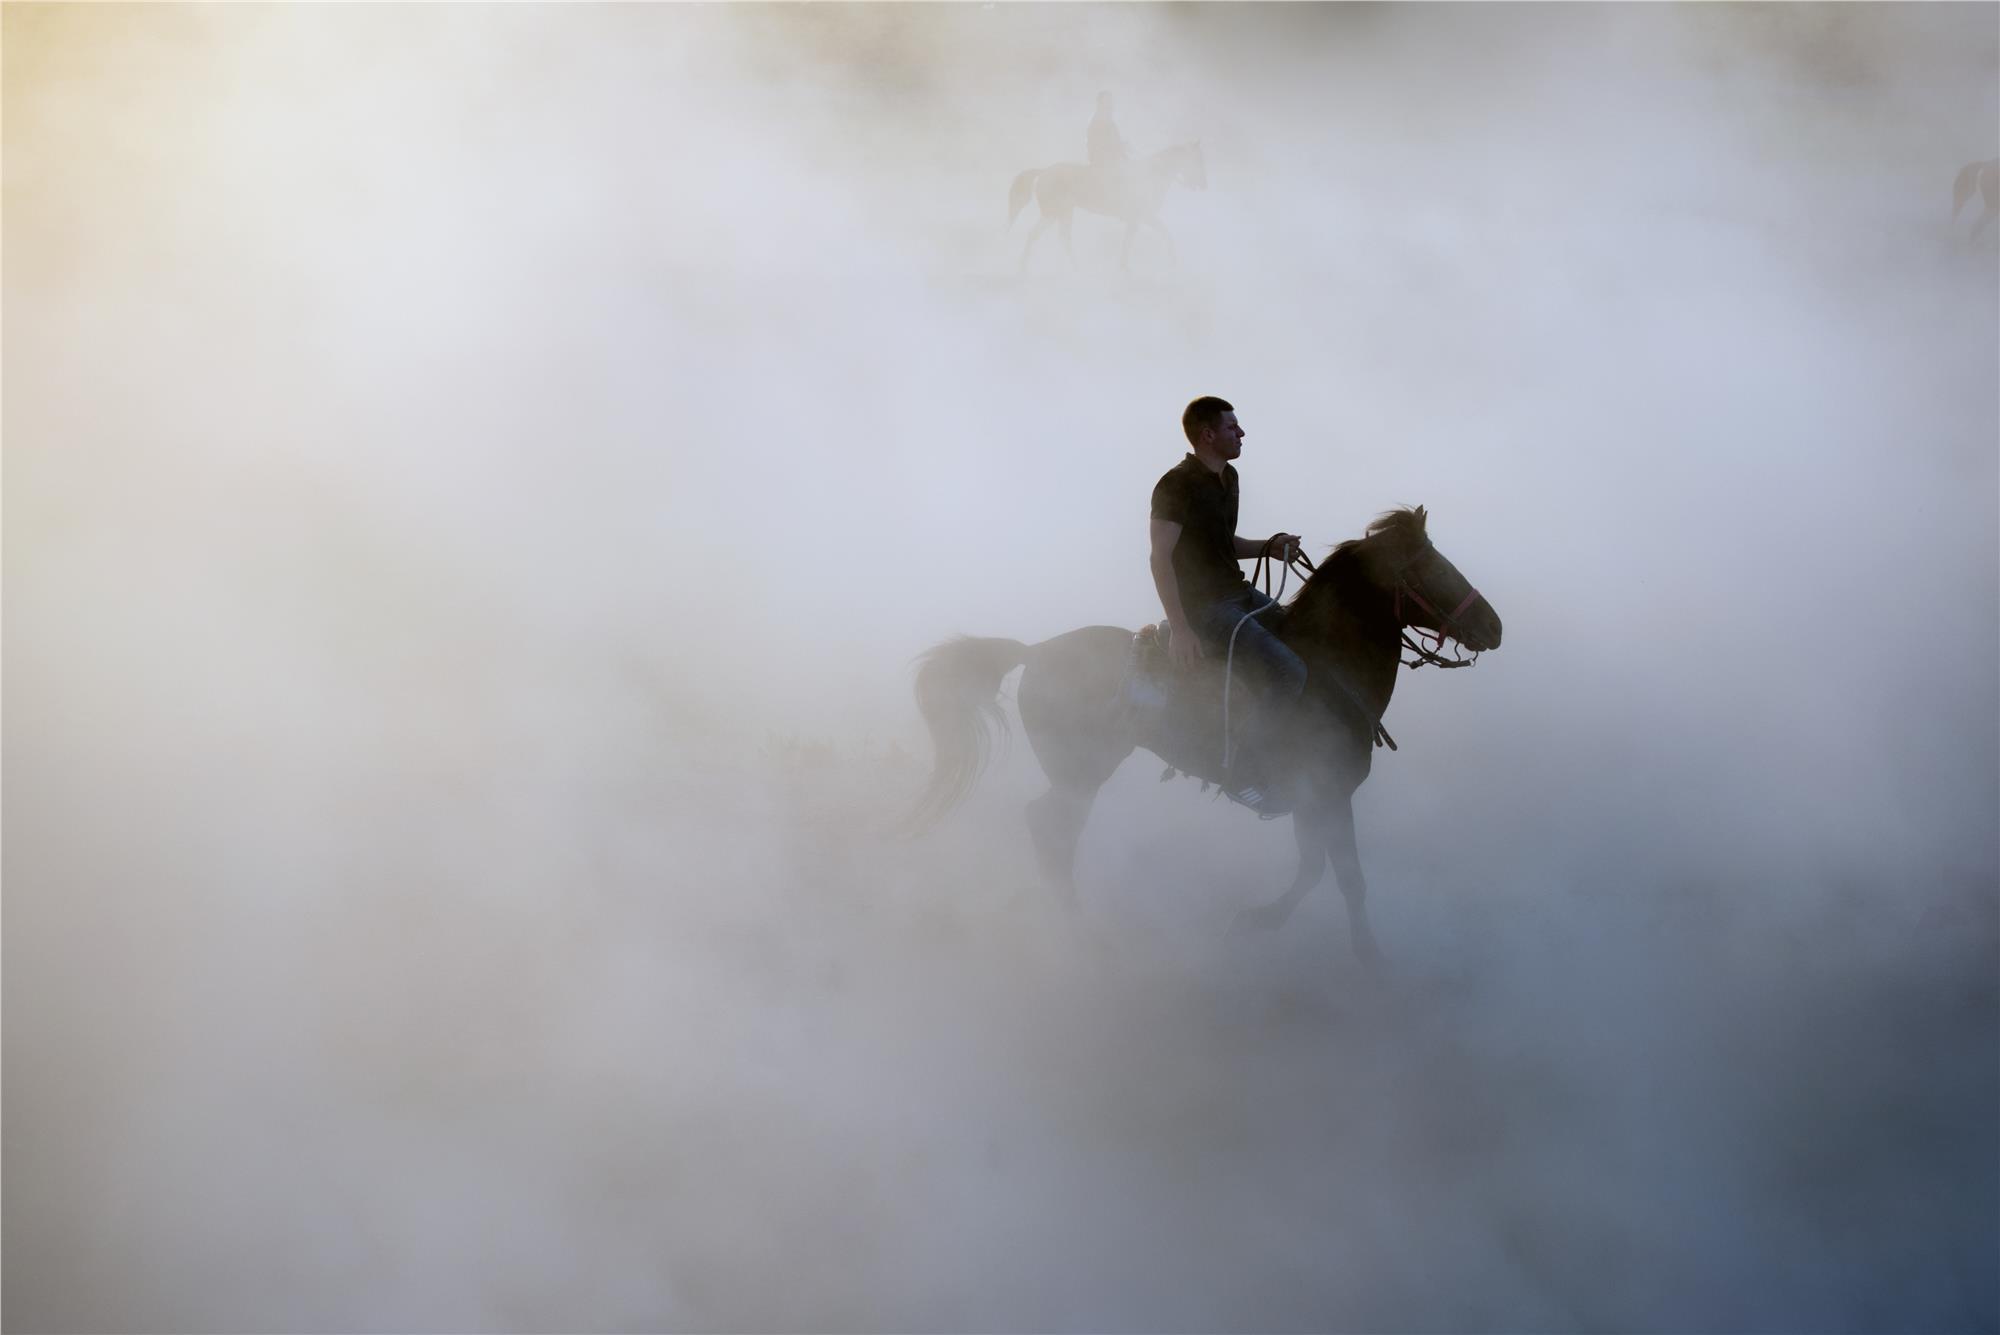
1276 675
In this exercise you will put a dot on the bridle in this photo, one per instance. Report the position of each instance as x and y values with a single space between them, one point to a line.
1431 653
1260 574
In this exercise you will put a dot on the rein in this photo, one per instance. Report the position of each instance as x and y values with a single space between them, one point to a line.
1260 576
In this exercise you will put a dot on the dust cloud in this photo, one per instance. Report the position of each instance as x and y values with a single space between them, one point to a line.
477 477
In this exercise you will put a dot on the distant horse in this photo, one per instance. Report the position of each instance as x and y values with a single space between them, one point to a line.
1348 623
1985 177
1130 192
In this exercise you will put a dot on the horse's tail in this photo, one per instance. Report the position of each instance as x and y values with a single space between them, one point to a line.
1020 193
957 692
1962 188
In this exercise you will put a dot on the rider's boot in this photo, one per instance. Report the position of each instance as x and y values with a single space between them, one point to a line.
1259 777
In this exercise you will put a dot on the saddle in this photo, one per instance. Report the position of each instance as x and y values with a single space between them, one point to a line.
1179 711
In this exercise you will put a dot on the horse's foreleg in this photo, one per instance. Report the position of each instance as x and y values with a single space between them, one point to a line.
1310 828
1125 251
1068 244
1347 868
1173 251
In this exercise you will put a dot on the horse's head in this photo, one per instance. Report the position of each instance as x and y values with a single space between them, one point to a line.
1426 591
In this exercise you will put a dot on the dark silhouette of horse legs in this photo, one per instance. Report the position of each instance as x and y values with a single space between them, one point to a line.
1309 826
1067 698
1346 860
1077 759
1325 830
1055 822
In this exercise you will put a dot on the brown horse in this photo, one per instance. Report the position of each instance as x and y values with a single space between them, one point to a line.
1984 177
1348 623
1131 192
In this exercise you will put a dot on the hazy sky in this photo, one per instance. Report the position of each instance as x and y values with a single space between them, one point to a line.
457 457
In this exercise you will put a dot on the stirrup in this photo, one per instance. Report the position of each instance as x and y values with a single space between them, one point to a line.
1257 799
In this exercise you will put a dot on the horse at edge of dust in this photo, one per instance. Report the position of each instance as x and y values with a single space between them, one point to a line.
1349 622
1128 191
1985 178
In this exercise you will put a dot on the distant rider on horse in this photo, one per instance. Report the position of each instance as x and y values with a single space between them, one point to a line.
1105 146
1195 568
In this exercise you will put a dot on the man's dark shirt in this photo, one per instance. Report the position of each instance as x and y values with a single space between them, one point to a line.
1204 505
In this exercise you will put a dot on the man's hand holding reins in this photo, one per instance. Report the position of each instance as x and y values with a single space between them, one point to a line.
1183 647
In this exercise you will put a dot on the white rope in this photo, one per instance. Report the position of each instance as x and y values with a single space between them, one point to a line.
1228 670
1229 664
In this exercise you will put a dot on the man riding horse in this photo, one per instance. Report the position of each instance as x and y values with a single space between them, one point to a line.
1367 602
1104 146
1113 182
1212 610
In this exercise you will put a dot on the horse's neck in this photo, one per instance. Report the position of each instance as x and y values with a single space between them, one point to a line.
1347 629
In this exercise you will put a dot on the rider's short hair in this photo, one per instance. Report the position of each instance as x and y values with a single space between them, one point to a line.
1204 411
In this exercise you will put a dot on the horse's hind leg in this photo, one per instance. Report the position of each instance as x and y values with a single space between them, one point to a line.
1070 702
1041 223
1056 820
1077 762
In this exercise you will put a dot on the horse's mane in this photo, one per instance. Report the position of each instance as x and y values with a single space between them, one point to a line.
1339 564
1409 519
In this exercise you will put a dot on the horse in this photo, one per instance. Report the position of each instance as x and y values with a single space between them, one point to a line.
1985 177
1131 192
1349 622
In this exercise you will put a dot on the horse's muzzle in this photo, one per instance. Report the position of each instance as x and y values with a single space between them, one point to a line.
1481 629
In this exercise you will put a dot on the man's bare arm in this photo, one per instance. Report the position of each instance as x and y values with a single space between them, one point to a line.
1182 647
1284 545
